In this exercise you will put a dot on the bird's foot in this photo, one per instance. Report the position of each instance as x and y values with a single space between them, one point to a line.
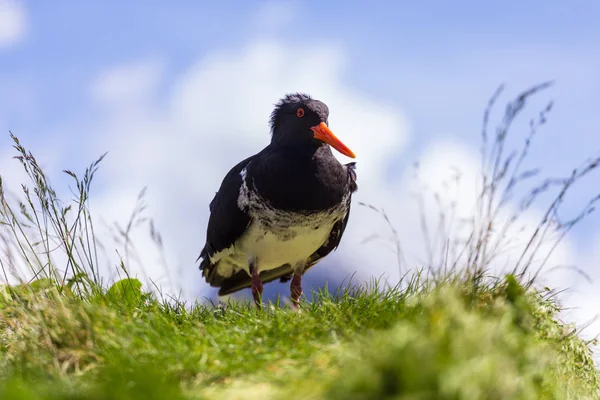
296 290
257 288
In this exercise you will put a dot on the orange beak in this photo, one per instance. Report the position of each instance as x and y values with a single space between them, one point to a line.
323 133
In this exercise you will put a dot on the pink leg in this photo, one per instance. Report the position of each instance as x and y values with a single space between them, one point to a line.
296 289
257 288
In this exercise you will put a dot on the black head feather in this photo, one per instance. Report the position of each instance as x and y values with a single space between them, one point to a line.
288 99
290 128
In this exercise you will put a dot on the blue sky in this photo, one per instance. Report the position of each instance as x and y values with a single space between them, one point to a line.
438 61
78 78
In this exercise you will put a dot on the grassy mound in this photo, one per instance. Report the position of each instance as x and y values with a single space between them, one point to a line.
450 340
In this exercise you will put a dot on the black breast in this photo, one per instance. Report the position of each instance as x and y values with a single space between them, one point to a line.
294 180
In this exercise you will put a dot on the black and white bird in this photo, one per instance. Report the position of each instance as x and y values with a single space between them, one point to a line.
280 211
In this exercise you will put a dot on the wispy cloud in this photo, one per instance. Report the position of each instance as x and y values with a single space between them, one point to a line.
13 23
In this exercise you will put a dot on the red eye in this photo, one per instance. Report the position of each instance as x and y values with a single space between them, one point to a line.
300 112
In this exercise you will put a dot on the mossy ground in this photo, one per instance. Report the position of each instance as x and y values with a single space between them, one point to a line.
453 339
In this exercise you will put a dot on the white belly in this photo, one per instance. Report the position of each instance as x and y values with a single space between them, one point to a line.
272 249
278 241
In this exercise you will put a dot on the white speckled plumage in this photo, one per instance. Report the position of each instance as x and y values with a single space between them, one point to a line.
276 237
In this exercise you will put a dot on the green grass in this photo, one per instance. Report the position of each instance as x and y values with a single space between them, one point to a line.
453 332
454 339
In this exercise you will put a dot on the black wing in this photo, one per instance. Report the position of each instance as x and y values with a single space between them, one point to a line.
241 280
226 222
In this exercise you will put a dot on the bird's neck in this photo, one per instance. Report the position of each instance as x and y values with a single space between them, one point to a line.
300 178
307 151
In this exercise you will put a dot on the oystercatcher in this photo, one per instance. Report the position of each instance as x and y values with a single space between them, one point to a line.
280 211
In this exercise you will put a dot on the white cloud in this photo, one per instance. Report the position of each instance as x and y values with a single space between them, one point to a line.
13 22
128 86
439 166
583 297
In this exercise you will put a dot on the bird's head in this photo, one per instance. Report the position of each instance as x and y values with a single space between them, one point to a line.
301 120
